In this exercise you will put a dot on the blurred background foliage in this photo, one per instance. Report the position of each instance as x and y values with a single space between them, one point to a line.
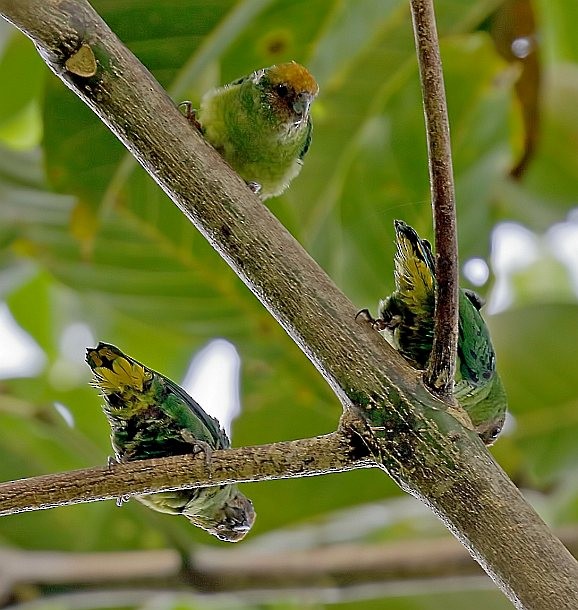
91 249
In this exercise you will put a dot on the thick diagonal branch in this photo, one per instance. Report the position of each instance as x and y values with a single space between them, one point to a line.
409 432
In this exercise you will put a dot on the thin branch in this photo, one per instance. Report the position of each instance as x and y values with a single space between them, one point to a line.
63 568
150 596
305 457
442 366
409 432
343 567
348 570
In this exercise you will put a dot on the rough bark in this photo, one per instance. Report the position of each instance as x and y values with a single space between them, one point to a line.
305 457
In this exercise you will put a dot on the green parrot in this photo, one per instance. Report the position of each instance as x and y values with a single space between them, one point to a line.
406 320
261 125
150 416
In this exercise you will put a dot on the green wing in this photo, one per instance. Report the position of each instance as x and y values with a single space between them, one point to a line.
150 415
477 362
308 137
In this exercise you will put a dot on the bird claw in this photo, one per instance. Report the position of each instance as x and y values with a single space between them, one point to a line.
391 322
121 500
376 324
110 462
255 187
198 446
190 114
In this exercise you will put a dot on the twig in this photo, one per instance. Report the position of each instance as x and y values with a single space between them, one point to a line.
442 365
344 568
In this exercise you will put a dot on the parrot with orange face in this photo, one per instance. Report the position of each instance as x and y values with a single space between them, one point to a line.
261 124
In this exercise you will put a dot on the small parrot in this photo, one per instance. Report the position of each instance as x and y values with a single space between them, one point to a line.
150 416
406 320
261 125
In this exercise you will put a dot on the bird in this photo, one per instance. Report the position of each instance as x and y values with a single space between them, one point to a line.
261 124
406 320
151 417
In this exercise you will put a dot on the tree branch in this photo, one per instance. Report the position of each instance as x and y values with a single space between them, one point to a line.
344 568
442 365
306 457
410 433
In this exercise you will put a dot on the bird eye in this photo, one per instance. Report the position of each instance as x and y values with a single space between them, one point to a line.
282 90
491 435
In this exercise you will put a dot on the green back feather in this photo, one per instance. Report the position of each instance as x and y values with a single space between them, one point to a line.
150 415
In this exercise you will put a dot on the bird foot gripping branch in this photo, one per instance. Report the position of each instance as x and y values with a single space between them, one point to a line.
406 320
260 124
151 416
379 324
190 114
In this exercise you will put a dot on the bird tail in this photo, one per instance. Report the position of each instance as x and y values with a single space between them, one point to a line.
414 265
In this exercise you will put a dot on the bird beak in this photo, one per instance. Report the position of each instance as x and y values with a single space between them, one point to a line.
301 105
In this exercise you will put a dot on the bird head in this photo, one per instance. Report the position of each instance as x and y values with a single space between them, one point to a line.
288 90
228 514
489 431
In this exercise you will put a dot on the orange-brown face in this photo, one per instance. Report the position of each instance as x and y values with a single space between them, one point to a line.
290 90
295 75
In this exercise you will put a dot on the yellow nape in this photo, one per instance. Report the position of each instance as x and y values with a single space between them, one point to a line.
294 74
123 374
414 279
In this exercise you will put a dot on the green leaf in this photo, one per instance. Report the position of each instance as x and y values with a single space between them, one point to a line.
19 62
538 372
